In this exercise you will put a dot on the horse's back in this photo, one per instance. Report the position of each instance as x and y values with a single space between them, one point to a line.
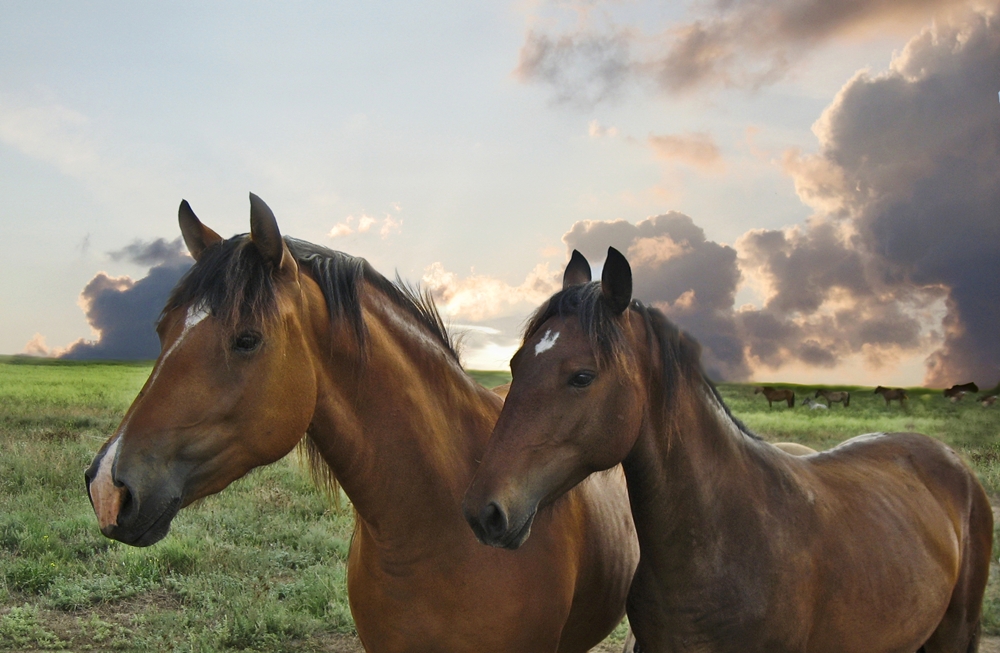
901 510
906 482
891 458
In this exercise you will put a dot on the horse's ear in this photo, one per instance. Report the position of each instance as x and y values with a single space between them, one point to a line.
577 271
264 232
616 282
197 236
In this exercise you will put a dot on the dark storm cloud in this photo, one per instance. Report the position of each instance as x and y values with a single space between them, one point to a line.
906 185
805 266
746 43
124 311
915 159
158 252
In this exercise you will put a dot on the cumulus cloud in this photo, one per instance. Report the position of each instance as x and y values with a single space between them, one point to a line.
697 149
902 257
38 347
909 163
123 311
481 297
364 223
726 42
596 130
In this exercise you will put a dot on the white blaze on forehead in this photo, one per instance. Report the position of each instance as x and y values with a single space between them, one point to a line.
547 342
195 314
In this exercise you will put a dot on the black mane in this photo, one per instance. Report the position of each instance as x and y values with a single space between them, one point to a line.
233 281
679 352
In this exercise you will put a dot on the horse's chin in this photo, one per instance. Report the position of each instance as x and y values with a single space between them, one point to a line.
149 531
514 537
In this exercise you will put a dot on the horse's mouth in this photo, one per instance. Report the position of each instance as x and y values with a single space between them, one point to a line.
513 538
148 532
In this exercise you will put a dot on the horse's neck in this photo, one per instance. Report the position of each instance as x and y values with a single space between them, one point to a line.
402 430
686 460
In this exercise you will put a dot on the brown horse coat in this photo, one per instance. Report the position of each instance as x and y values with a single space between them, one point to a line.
832 397
774 394
892 394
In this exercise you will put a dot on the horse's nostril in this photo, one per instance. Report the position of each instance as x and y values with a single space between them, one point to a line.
126 504
494 520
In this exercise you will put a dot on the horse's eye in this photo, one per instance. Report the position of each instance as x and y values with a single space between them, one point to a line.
246 342
582 379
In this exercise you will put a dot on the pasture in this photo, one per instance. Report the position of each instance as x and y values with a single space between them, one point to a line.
261 566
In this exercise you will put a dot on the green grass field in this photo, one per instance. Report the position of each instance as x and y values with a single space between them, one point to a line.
260 566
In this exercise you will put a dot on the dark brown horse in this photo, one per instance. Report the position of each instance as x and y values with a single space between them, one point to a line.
267 339
842 396
880 545
892 394
774 394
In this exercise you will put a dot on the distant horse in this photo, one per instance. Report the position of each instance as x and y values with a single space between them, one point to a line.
831 397
988 400
813 404
267 339
956 392
890 394
879 545
772 394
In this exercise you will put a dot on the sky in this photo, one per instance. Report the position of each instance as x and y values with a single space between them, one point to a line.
811 188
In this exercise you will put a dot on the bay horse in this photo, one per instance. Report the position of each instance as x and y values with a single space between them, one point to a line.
774 394
892 394
879 545
842 397
269 339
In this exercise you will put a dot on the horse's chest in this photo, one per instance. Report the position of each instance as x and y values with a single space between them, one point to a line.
720 601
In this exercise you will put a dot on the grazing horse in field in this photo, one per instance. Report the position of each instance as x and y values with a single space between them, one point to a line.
988 401
879 545
956 392
890 394
843 397
773 394
268 339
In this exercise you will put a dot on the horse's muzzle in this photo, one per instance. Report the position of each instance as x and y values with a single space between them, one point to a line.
492 526
122 513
